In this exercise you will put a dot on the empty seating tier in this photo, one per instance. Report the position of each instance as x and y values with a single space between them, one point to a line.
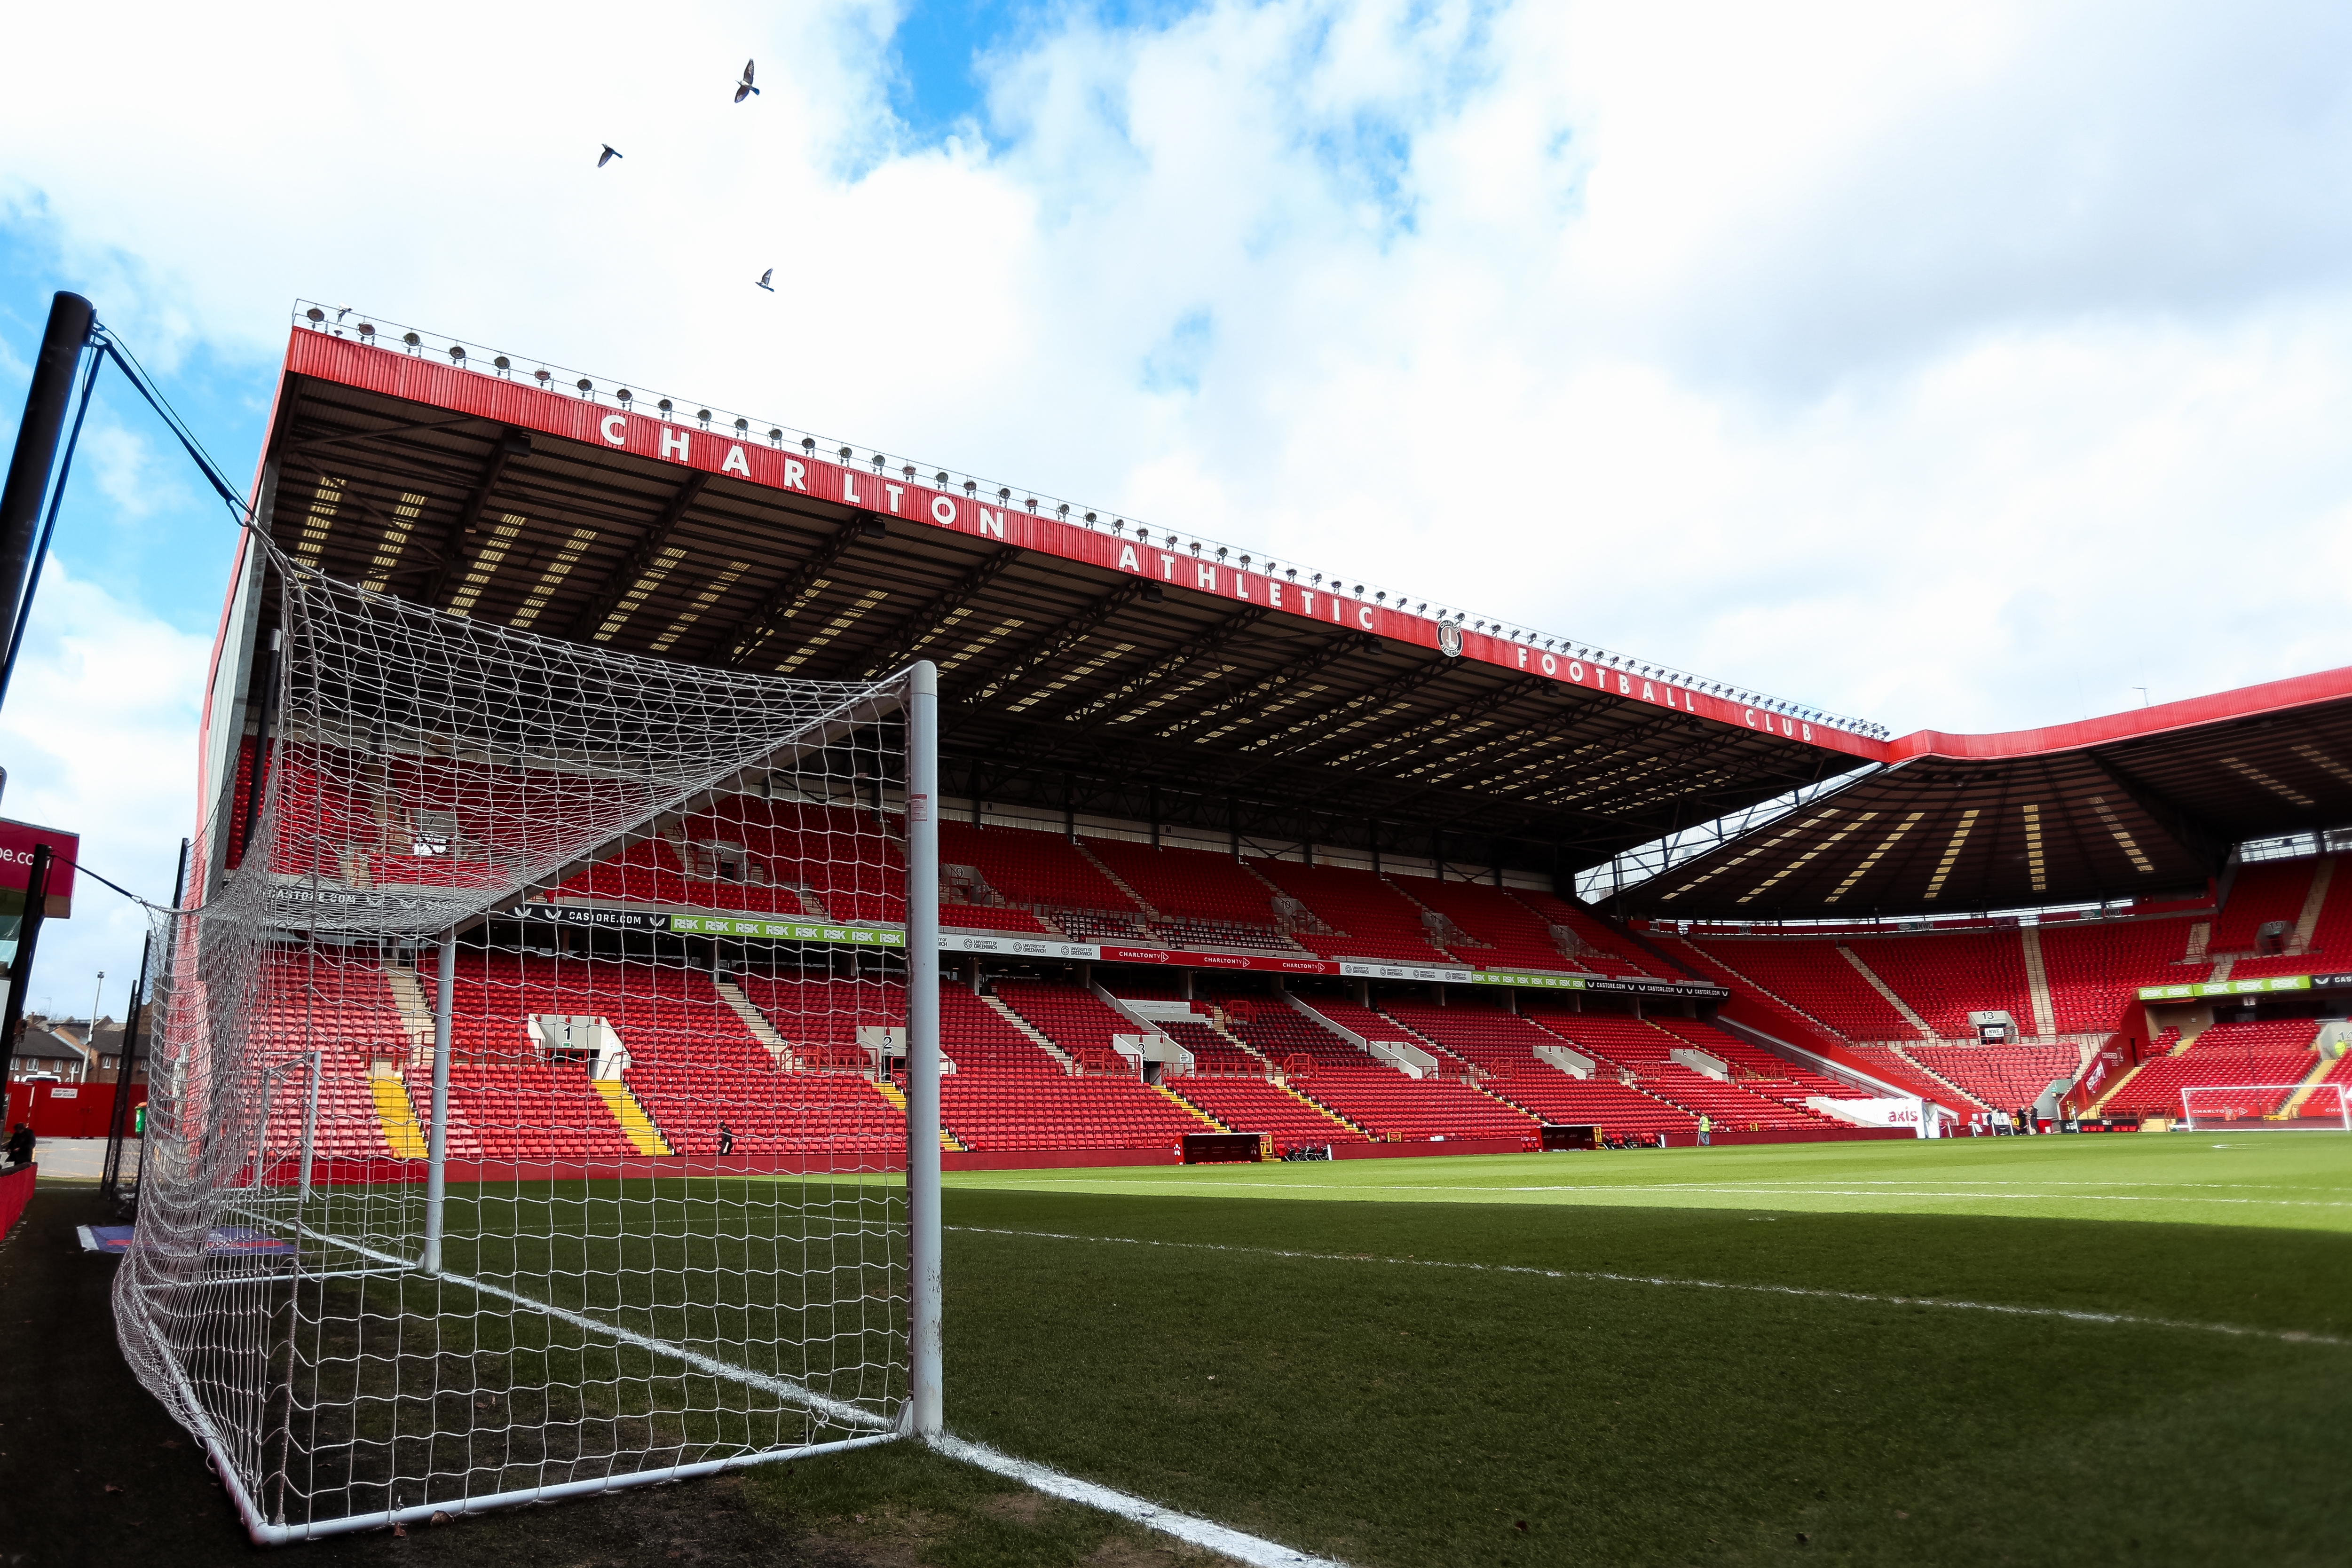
1255 1105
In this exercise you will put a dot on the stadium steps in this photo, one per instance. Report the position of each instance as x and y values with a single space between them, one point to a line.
2200 935
1320 1109
636 1125
415 1012
756 1022
2037 984
1928 1073
1220 1022
2311 1081
2307 923
949 1142
1118 881
397 1117
1884 989
1741 976
1031 1032
2221 967
1180 1102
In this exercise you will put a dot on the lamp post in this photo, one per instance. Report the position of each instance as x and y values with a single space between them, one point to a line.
89 1037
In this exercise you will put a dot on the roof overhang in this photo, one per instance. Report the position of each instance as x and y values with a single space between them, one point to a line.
1086 664
2138 805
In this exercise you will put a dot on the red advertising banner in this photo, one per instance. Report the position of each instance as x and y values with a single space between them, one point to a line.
16 841
895 493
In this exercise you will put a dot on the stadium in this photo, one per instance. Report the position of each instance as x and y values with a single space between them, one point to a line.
614 809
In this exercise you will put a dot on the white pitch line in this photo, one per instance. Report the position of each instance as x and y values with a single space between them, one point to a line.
1200 1189
1250 1549
2067 1314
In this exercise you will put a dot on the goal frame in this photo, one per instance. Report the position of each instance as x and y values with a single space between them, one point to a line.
2190 1121
920 1413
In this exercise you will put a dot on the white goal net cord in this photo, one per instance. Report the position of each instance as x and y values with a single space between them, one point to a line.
444 891
2256 1107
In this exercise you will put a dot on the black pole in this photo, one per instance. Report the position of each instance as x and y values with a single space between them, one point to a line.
254 786
70 318
20 970
118 1119
118 1126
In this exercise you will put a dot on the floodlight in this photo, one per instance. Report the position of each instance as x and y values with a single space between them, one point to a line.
315 314
542 375
664 405
845 455
1003 492
624 395
1090 519
1062 511
457 353
941 478
808 444
503 365
775 436
367 331
412 340
702 417
1151 594
586 386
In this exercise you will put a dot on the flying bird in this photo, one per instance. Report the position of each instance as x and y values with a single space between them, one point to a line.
744 88
763 280
608 157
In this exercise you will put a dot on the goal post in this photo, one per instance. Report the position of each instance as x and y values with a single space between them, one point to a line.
509 1136
2265 1107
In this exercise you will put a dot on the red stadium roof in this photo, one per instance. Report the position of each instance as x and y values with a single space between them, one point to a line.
1088 664
2131 806
1094 664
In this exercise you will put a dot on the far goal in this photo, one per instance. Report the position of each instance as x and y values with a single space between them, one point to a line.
2265 1108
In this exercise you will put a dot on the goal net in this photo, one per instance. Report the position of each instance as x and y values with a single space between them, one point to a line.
529 1113
2265 1107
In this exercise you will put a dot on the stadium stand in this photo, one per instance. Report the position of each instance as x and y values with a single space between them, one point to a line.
1814 978
1605 951
1367 917
2274 1051
1074 1019
1198 897
1374 1025
1008 1094
1258 1105
2095 967
1943 978
2260 893
1998 1076
1213 1055
1501 932
1615 1109
1647 1050
1031 867
2330 939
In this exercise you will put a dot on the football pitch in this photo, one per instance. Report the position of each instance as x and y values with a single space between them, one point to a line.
2054 1350
2050 1349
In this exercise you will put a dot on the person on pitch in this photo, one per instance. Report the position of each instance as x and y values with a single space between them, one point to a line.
1706 1128
726 1139
20 1145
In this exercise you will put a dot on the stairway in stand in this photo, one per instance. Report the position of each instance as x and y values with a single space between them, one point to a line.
636 1125
949 1142
398 1118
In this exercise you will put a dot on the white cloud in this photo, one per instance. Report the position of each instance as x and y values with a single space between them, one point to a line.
100 737
1958 369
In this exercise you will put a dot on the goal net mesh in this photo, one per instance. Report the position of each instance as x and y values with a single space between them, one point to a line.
2265 1107
668 901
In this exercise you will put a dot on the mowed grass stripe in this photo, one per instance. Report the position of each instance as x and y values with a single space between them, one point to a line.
2300 1181
2288 1336
1393 1415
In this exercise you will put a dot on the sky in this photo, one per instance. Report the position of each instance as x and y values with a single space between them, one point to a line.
1970 368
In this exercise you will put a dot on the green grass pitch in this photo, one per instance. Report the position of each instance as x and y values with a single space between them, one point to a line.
2056 1349
1534 1359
